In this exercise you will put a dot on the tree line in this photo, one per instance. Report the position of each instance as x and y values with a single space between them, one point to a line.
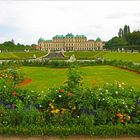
11 46
125 39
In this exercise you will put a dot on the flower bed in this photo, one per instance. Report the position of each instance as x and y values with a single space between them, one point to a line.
71 109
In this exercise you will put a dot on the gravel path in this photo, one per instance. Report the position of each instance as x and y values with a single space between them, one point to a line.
68 138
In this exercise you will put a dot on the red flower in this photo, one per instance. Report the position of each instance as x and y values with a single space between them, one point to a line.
61 91
14 93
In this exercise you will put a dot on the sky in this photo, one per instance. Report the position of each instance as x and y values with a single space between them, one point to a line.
27 21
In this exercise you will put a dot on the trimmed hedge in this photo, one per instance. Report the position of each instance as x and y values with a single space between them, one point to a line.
102 130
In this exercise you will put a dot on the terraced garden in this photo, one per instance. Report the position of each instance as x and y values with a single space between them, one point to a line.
132 57
21 55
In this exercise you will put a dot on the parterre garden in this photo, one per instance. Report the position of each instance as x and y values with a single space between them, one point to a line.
94 98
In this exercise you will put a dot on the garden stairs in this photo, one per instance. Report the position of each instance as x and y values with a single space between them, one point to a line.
51 55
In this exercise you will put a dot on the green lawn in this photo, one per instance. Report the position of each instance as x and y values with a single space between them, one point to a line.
21 55
43 77
132 57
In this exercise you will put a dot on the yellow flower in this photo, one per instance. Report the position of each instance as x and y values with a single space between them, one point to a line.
74 108
52 107
57 111
53 111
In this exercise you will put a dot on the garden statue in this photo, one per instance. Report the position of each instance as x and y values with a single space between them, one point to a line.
72 58
34 56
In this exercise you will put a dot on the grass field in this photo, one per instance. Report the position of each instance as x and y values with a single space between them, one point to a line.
21 55
43 77
132 57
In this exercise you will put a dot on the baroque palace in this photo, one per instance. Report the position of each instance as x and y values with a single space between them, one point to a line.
70 42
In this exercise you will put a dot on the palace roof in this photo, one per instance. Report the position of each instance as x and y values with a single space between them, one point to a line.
59 36
41 40
69 35
80 36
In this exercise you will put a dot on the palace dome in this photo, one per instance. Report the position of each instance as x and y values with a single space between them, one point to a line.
41 40
98 39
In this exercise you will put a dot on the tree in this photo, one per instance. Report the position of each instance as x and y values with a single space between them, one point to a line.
123 33
134 38
120 33
115 42
13 41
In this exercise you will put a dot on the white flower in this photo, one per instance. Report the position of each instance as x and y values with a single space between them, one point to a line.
59 96
126 106
106 90
120 85
101 93
116 92
106 83
103 99
4 86
42 91
78 116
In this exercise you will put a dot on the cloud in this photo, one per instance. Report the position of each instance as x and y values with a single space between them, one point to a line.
117 15
26 21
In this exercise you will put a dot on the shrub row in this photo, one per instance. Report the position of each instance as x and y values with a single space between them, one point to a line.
64 64
102 130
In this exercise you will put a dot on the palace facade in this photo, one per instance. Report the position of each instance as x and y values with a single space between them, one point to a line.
70 42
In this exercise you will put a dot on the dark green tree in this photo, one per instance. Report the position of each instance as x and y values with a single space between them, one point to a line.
115 42
120 33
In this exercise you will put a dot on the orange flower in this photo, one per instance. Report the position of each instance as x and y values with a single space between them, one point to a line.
122 121
61 91
119 115
14 93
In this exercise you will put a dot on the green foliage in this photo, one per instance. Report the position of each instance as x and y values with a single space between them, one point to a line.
11 46
115 42
134 38
74 78
126 40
